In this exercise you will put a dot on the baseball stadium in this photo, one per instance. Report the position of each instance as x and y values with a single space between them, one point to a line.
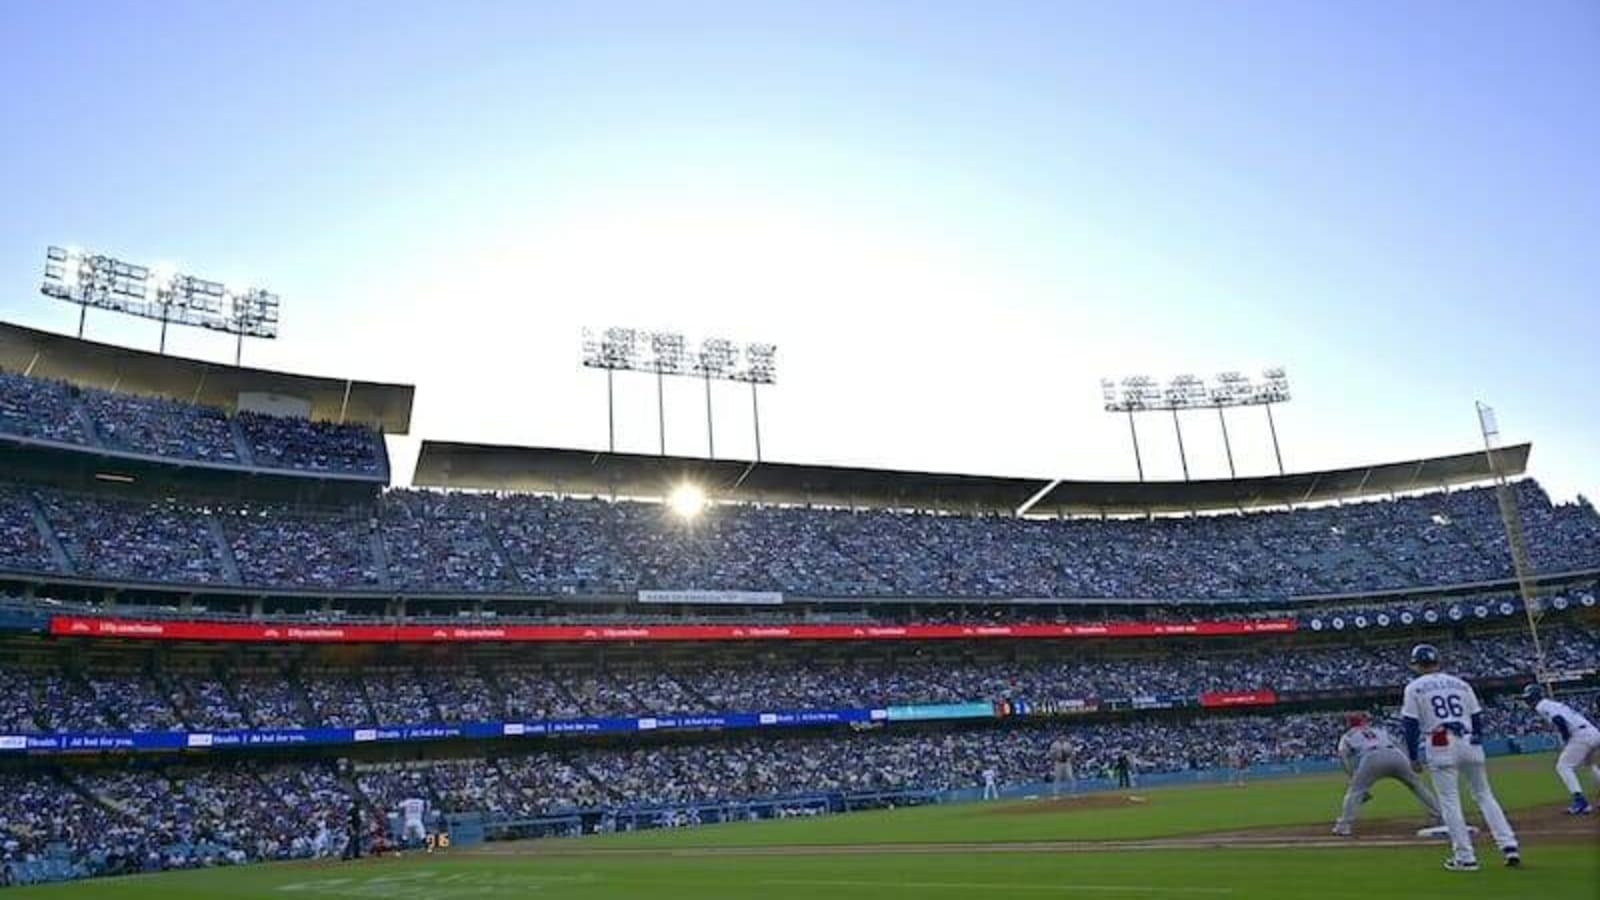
237 661
399 497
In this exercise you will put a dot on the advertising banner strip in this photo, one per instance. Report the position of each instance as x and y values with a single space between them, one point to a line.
1238 698
80 742
927 712
179 630
714 598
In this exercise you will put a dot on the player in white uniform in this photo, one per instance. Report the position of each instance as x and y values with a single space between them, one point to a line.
1581 740
1443 712
411 828
1062 769
1369 753
991 784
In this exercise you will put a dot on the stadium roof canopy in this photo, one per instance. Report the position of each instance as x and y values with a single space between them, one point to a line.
587 472
44 354
1296 488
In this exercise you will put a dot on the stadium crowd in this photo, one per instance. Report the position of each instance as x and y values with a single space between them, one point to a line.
43 409
144 818
138 817
43 695
142 814
419 542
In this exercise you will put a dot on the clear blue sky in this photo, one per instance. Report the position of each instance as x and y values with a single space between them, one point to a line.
953 218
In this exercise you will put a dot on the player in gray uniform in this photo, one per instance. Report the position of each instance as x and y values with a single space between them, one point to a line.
1369 753
1062 770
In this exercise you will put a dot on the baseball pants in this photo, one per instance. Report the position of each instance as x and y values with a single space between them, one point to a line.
1064 774
1582 748
1448 765
1372 768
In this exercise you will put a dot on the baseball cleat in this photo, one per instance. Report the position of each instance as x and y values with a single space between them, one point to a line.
1513 857
1579 807
1455 865
1342 830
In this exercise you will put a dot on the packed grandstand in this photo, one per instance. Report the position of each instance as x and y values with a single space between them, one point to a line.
212 673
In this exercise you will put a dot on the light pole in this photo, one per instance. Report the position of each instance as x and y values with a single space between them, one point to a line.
666 358
1183 392
714 361
1140 393
665 353
1135 393
760 367
161 293
1274 388
1230 387
611 350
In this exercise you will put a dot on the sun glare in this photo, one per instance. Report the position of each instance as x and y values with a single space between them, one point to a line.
687 500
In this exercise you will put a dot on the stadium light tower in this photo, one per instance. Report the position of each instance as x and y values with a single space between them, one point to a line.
760 367
665 353
1183 392
612 350
1136 393
1274 388
1230 388
1140 393
256 313
714 360
158 292
666 358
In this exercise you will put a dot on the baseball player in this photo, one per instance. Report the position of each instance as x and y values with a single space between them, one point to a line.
411 828
1370 753
1062 755
1443 711
991 784
1582 742
1238 761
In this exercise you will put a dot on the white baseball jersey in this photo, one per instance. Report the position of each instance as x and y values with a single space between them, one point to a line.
1438 701
1061 751
1363 740
1576 721
411 810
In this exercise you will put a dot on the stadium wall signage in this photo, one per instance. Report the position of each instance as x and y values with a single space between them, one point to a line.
1049 708
263 739
1238 698
168 741
177 630
714 598
926 712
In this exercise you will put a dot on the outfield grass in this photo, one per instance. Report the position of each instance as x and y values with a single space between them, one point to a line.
1518 782
614 867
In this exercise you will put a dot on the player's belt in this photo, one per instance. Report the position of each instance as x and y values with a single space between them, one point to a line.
1441 735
